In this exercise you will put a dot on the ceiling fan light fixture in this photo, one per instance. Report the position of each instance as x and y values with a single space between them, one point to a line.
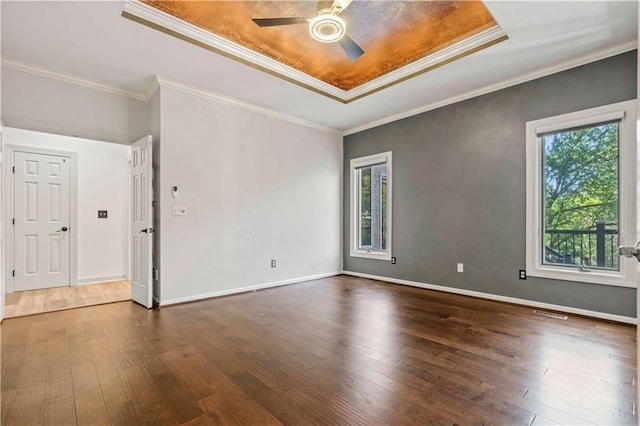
327 28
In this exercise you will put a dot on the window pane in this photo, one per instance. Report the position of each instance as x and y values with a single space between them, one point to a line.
581 197
372 212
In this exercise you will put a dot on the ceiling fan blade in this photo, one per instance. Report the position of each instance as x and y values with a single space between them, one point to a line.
350 47
341 5
272 22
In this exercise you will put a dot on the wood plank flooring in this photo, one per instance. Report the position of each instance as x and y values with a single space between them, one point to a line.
59 298
341 350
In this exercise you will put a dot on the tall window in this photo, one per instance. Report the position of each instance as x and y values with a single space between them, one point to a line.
581 195
371 206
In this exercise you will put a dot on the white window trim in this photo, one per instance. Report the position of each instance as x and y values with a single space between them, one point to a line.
626 111
356 163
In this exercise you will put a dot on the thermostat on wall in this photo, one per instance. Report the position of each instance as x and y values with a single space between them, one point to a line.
179 211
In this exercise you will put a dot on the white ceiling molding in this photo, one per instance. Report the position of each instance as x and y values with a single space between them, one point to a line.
153 88
543 72
441 57
156 83
160 20
169 84
18 65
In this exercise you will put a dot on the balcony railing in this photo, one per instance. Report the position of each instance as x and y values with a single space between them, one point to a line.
593 248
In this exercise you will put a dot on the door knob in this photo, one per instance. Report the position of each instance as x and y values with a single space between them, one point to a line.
147 230
63 229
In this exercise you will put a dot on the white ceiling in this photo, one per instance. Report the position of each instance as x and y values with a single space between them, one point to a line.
92 40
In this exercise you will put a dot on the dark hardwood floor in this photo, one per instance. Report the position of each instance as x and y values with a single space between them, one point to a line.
340 350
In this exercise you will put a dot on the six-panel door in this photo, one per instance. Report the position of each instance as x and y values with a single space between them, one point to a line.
141 222
41 209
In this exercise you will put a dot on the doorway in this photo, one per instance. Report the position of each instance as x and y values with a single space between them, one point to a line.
67 227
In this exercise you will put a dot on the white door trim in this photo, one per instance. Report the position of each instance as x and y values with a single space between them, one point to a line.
8 242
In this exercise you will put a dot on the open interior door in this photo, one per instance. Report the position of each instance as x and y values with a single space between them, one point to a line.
142 222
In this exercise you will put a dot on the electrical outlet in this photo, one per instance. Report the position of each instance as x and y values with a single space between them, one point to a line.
102 214
393 260
273 263
522 274
460 267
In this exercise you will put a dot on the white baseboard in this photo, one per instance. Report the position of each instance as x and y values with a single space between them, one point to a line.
489 296
96 280
247 289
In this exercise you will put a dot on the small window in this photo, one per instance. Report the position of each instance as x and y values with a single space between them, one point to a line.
581 195
371 206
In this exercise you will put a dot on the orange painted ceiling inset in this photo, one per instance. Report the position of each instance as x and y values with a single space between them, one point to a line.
392 33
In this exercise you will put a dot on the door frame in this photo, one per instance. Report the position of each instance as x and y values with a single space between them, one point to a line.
8 242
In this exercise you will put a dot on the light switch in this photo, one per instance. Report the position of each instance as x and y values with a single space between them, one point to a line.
179 211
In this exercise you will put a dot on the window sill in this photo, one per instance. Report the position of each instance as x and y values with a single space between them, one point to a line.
372 255
616 279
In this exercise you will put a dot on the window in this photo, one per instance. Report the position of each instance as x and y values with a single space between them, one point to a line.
371 206
581 202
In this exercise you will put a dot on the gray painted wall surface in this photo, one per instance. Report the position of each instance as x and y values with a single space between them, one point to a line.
36 103
459 187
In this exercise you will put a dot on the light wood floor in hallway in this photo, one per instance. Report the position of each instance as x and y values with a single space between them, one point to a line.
59 298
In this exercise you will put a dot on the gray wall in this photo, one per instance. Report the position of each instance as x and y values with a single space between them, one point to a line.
36 103
459 187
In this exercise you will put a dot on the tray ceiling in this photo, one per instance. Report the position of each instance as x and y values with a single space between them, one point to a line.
401 39
90 44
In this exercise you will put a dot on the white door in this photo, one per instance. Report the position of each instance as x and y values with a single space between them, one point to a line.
41 214
142 222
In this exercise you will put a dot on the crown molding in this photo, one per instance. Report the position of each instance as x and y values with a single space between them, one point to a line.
164 22
542 72
22 66
148 15
155 84
248 106
458 50
153 88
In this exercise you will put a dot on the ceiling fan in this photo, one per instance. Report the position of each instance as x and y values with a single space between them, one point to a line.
326 27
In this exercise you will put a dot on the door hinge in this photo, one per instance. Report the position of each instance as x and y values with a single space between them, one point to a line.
13 273
153 203
13 221
13 169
